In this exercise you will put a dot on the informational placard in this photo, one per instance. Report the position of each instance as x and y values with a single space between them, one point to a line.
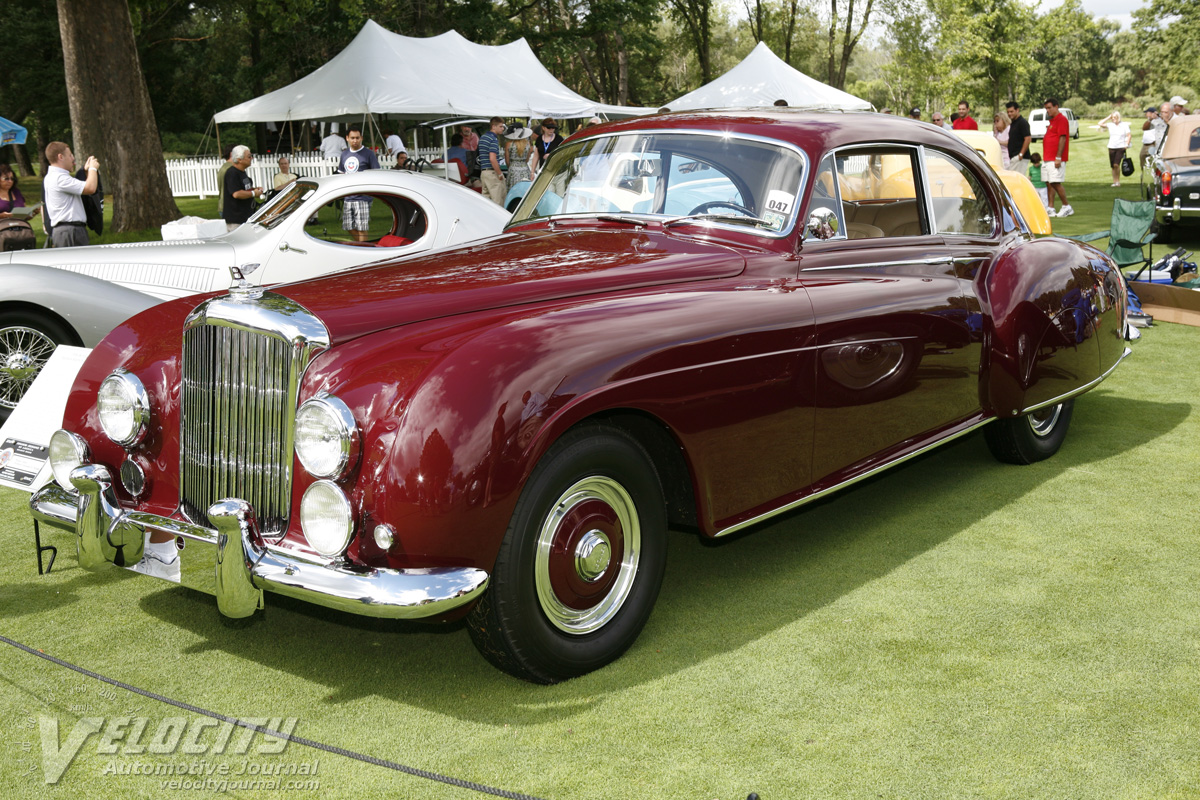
25 437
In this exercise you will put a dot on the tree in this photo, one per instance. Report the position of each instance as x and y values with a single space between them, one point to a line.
846 27
987 47
32 92
1073 54
111 116
1167 37
697 17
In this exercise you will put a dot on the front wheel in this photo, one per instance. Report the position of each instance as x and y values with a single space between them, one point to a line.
26 344
581 563
1033 437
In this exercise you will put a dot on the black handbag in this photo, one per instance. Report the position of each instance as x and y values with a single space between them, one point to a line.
1126 166
16 234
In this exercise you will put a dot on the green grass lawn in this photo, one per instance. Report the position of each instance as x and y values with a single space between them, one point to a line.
952 628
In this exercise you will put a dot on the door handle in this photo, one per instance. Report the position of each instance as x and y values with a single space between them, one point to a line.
285 247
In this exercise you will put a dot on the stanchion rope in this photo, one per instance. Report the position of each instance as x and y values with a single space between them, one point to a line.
340 751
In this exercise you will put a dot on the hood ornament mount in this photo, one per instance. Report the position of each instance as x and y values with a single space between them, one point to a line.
242 290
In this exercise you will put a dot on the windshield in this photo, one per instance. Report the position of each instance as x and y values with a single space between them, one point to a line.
727 180
283 204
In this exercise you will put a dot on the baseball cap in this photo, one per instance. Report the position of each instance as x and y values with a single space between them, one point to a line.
1151 110
1177 101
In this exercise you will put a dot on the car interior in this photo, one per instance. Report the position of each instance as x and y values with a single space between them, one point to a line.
394 222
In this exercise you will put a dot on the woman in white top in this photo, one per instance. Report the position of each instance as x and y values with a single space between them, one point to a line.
1000 131
1118 142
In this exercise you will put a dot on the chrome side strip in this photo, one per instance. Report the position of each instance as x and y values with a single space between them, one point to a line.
916 262
969 429
817 495
1074 392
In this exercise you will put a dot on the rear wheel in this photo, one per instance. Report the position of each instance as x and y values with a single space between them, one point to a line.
1033 437
27 341
581 563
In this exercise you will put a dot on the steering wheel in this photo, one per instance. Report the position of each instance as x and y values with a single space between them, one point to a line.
420 164
711 204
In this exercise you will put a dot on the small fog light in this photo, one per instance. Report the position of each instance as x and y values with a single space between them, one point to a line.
326 518
67 451
384 537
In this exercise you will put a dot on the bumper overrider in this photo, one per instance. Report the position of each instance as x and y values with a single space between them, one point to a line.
232 561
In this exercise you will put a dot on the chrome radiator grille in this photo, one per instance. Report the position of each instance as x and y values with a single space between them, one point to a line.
238 410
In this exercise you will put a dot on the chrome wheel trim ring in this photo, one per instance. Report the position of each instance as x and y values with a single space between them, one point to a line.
1044 421
582 621
23 353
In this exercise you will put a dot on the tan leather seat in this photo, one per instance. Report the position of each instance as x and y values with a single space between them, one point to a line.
861 230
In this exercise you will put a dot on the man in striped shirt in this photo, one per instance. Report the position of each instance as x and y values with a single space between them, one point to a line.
494 187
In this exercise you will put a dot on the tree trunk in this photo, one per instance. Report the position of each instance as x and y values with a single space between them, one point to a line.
622 70
21 155
111 116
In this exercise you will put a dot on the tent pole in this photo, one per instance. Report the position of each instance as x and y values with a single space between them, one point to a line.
291 137
218 126
446 156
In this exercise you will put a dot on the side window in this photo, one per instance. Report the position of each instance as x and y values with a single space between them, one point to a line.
878 192
377 220
960 205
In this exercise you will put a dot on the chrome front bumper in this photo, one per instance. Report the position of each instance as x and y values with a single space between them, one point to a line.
231 561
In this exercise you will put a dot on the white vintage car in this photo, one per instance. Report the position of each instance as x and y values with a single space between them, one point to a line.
77 295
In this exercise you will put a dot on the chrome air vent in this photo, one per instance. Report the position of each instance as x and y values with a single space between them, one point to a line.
242 363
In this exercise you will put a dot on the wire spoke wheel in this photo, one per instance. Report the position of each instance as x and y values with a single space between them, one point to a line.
23 353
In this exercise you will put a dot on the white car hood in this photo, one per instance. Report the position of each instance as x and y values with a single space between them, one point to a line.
162 269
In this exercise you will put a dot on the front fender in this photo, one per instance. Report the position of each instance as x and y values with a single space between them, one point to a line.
92 307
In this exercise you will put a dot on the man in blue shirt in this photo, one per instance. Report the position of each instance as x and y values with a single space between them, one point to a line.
494 186
356 209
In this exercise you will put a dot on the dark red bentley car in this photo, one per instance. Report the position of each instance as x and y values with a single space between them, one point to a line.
693 320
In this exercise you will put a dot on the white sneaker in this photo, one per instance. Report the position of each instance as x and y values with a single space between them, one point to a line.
158 565
1066 211
1050 212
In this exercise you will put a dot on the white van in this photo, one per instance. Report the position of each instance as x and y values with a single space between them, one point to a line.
1038 123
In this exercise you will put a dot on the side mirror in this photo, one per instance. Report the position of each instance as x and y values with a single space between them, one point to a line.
822 223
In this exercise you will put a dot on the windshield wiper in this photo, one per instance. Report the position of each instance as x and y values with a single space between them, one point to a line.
738 218
638 221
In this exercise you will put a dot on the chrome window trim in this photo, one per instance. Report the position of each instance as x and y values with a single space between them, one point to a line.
916 149
992 200
805 170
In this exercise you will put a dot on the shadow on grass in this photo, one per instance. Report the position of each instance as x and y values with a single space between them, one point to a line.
717 597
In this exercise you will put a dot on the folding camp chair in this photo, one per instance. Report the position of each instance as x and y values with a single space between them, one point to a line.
1128 233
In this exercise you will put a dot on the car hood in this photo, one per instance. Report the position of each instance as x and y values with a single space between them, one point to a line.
512 269
162 269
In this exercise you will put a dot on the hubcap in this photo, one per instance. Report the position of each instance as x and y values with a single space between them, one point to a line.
592 556
23 353
587 555
1042 422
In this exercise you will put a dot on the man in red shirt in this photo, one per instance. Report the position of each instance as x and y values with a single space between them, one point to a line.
964 121
1055 149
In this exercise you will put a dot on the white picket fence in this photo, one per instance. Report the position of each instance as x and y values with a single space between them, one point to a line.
197 177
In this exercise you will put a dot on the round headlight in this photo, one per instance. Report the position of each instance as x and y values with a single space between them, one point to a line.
124 408
326 437
326 518
67 451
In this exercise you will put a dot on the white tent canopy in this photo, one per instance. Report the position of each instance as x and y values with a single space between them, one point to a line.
384 73
762 78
